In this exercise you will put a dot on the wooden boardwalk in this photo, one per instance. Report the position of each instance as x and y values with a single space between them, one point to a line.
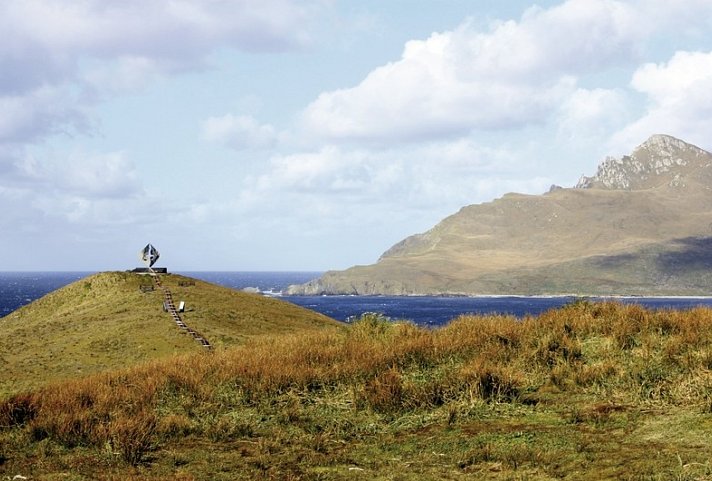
171 308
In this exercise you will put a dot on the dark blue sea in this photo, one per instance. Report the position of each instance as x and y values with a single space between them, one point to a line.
20 288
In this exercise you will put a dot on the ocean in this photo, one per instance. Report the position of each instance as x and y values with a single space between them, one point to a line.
20 288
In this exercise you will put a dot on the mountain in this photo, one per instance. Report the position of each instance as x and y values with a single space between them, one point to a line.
642 225
107 321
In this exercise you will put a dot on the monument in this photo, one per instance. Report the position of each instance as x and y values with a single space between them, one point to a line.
149 255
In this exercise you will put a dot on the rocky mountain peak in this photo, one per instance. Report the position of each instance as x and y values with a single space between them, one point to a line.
660 160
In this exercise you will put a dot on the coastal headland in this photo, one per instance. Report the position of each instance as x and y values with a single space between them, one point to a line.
640 226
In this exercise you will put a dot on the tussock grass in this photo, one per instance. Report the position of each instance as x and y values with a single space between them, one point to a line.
575 393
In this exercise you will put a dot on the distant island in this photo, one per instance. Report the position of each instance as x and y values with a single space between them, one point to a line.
642 225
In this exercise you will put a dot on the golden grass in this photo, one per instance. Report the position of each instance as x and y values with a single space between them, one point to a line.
575 393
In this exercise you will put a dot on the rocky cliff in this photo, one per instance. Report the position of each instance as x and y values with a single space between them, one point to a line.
660 160
642 225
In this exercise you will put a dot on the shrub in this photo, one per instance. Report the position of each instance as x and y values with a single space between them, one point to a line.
384 393
18 410
595 374
174 425
490 382
371 325
132 435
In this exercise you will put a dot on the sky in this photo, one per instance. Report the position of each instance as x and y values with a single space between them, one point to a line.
279 135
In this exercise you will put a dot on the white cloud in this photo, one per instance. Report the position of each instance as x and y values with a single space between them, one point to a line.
94 190
43 111
337 199
239 132
109 175
97 214
57 50
60 36
60 57
89 176
586 106
123 74
588 116
181 30
435 177
327 171
460 117
670 83
679 100
514 75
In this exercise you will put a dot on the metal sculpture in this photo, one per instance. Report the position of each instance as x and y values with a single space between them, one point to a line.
149 255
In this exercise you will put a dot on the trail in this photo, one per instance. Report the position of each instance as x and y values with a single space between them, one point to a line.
170 306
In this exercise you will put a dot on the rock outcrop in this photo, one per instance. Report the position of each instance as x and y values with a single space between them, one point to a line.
662 159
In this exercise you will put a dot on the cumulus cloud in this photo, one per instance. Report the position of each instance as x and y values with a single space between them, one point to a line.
90 176
515 74
239 132
91 189
61 54
339 198
123 74
438 175
181 30
61 57
110 175
670 83
679 101
460 117
588 116
37 113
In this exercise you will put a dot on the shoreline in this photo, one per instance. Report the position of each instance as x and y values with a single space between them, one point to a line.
508 296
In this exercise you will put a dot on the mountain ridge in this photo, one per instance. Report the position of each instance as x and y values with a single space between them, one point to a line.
649 207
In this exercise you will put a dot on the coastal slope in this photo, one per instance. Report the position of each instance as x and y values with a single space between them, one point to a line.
107 321
642 225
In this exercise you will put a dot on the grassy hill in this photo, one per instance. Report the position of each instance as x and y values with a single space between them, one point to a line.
587 392
105 321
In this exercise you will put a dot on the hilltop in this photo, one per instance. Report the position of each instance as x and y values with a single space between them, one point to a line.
640 226
105 321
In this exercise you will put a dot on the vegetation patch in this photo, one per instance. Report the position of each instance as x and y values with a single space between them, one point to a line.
589 391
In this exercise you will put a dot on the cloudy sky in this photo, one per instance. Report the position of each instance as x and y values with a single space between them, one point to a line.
314 134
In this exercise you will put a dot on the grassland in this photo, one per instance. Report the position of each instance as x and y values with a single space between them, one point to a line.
106 321
589 391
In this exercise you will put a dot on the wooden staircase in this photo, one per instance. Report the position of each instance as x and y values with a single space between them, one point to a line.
171 308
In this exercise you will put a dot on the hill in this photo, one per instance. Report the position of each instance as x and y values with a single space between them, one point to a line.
587 392
106 321
642 225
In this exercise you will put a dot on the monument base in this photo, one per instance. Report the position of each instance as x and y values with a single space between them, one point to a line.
146 270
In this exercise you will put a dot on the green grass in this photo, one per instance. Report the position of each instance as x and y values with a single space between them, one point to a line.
590 391
106 322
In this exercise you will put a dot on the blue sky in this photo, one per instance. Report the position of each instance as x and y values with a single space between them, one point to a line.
312 135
